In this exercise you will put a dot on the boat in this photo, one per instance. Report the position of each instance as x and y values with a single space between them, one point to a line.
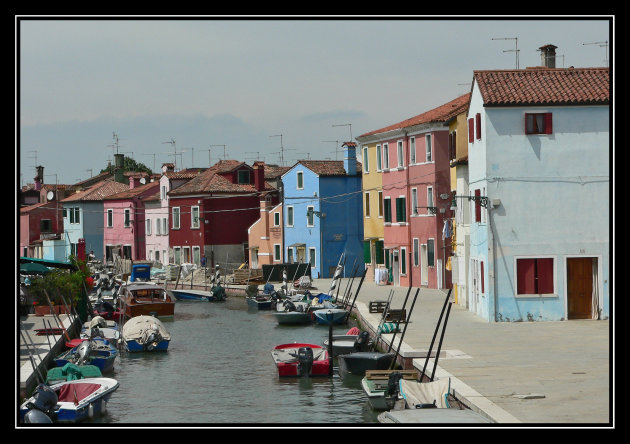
145 333
70 372
432 394
290 312
68 401
327 316
382 386
100 327
348 343
357 363
216 294
261 302
145 299
95 351
300 359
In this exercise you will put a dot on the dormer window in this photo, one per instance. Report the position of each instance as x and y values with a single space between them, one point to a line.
243 176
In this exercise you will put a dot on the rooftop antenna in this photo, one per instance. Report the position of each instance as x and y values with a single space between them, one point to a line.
254 152
336 146
150 154
192 150
209 161
172 142
346 124
516 50
224 156
281 149
90 170
603 44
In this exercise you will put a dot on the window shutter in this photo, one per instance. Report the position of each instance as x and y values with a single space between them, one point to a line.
367 257
483 288
544 275
398 211
478 124
388 209
477 206
548 124
471 131
378 253
525 276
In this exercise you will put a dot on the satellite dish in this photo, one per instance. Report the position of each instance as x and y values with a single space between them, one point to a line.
143 180
50 195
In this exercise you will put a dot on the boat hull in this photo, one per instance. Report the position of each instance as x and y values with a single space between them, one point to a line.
293 318
134 346
146 299
194 295
327 316
377 398
145 333
357 363
259 303
290 367
342 344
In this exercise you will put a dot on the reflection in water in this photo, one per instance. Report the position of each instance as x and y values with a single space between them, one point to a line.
219 370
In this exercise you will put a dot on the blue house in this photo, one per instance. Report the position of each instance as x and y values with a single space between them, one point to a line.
323 212
538 159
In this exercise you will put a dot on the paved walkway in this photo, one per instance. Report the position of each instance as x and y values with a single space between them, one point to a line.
518 372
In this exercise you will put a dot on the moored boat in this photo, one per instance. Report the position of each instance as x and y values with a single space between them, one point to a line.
68 401
146 299
70 372
96 351
291 313
260 302
382 387
357 363
327 316
344 344
145 333
301 359
216 294
100 327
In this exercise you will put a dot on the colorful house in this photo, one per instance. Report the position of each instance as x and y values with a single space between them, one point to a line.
211 213
539 157
124 220
265 235
322 207
38 222
416 195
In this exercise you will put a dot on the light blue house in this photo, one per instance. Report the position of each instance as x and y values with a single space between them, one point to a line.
538 157
322 211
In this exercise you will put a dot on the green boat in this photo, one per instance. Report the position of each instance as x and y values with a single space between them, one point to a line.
70 372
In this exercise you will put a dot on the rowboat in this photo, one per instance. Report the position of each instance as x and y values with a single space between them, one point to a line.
146 299
344 344
260 302
327 316
300 359
216 294
96 351
291 313
68 401
100 327
382 386
145 333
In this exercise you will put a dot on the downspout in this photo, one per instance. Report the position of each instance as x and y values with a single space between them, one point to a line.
409 244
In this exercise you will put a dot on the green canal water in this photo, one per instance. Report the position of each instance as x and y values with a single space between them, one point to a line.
218 370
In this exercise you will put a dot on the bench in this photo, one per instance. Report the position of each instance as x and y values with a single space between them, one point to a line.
396 314
377 306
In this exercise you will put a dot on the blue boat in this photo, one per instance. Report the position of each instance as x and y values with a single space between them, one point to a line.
327 316
216 294
96 351
68 401
145 333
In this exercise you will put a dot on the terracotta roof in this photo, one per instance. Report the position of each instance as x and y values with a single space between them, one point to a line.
188 173
136 190
328 167
442 113
32 207
211 181
152 197
225 166
544 86
274 171
98 191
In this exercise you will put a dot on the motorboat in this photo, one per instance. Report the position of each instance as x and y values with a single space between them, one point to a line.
289 312
301 359
95 351
145 299
145 333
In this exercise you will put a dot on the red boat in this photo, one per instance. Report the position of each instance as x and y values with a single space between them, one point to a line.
298 359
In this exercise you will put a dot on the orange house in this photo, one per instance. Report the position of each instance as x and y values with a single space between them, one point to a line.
265 236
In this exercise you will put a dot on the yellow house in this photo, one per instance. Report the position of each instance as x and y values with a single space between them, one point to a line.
460 233
373 233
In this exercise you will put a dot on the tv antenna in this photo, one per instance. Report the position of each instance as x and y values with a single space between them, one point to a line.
172 142
603 44
281 149
224 156
336 146
516 50
192 150
150 154
346 124
116 142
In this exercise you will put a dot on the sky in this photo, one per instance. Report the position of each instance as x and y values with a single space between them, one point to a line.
194 90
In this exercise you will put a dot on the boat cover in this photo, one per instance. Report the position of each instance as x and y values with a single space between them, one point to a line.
290 354
416 392
140 327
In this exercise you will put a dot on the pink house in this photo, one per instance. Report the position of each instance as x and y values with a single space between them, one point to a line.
124 221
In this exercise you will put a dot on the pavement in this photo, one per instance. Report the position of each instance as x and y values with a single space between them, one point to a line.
541 373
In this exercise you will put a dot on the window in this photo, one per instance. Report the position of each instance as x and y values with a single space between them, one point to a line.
300 180
127 217
400 209
412 150
400 153
77 215
429 148
74 215
380 204
379 160
366 168
416 252
110 218
471 131
196 251
452 145
414 201
478 125
535 276
148 227
158 227
310 216
243 176
388 209
163 192
379 251
289 216
385 156
177 253
311 256
477 206
290 255
538 123
429 200
276 219
367 204
276 252
367 253
45 226
431 252
165 226
194 214
175 214
64 213
403 260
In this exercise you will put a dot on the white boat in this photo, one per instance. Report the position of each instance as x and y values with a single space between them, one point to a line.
382 386
293 312
433 394
145 333
100 327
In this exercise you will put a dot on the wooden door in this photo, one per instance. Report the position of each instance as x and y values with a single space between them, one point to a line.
580 287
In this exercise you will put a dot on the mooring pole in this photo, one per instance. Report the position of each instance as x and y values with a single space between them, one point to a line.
329 318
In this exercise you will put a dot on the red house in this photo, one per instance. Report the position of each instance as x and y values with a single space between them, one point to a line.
38 222
209 215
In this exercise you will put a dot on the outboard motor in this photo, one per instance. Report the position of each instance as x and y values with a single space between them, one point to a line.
41 409
107 307
392 383
153 340
361 342
289 306
305 361
82 353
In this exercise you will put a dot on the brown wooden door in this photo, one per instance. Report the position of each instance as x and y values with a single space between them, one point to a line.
580 287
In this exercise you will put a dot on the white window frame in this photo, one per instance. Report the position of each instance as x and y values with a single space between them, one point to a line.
311 222
412 149
299 177
414 201
163 192
192 216
400 153
158 226
177 255
290 216
379 159
148 233
312 253
535 295
196 254
165 226
403 259
428 148
385 156
276 219
127 218
174 212
430 201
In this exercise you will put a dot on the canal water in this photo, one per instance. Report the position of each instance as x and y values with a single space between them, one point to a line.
218 370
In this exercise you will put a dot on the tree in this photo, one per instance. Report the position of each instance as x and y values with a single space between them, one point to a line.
129 165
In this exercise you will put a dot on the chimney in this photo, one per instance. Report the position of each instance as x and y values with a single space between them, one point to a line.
168 167
350 158
259 176
548 56
119 175
132 182
39 179
265 203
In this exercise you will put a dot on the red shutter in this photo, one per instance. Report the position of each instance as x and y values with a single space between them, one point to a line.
477 206
483 288
548 124
478 124
471 131
525 276
544 273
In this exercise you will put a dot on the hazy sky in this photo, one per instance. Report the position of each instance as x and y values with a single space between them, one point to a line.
241 83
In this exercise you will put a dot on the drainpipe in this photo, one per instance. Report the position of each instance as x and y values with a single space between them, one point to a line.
408 201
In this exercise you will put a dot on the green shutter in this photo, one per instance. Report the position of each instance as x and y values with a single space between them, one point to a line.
430 253
400 209
388 209
378 246
386 253
367 257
